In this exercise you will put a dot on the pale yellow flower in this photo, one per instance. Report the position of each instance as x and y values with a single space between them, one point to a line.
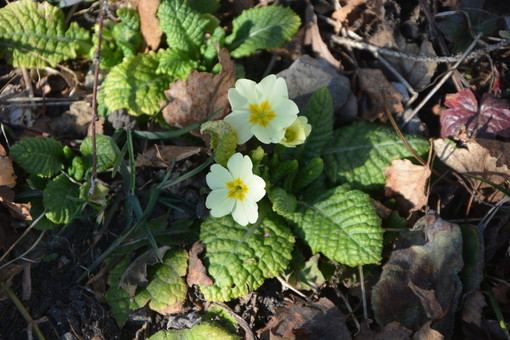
262 109
296 133
235 190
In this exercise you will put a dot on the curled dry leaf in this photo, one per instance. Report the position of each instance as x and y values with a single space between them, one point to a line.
408 181
200 94
7 176
17 210
149 22
476 160
379 91
163 155
489 117
197 274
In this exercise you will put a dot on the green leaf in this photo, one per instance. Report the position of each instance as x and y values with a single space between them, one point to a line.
283 202
116 297
78 168
184 27
284 172
308 173
61 200
127 33
33 35
38 156
204 330
239 258
36 209
135 84
166 290
106 151
319 111
176 63
343 225
360 153
261 28
205 6
223 140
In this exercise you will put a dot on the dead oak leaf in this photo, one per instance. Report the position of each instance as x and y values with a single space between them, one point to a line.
18 210
7 176
163 155
489 117
380 91
197 274
200 95
149 22
409 181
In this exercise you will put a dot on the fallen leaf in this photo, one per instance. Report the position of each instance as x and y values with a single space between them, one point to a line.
417 73
163 155
17 210
487 118
392 331
7 176
473 308
475 160
379 91
430 305
427 333
320 320
408 181
313 38
149 22
340 15
432 263
136 274
197 274
200 95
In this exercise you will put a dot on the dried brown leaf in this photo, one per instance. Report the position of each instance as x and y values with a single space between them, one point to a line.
17 210
472 308
429 302
197 274
409 181
392 331
427 333
313 37
163 155
7 176
200 94
341 14
149 22
379 91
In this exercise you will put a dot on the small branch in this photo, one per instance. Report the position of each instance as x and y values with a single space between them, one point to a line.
240 320
97 62
363 292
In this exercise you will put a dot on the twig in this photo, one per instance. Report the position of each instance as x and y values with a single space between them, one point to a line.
23 311
363 292
242 322
97 62
441 82
286 285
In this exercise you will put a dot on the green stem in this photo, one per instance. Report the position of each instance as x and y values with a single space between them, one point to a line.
10 293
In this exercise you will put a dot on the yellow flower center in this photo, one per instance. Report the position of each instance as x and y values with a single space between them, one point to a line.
237 189
261 114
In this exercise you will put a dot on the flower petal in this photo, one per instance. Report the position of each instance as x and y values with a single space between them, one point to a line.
237 100
219 203
240 122
265 87
218 177
256 189
240 166
269 134
245 212
246 88
286 113
279 90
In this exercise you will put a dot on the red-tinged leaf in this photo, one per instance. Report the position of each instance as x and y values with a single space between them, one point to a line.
488 118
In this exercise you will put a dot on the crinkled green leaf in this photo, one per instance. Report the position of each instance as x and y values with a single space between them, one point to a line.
38 156
176 63
261 28
343 225
127 32
284 172
136 85
78 168
106 152
360 153
61 200
283 202
308 173
204 330
239 259
36 209
183 26
33 34
116 297
319 111
167 289
223 140
205 6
